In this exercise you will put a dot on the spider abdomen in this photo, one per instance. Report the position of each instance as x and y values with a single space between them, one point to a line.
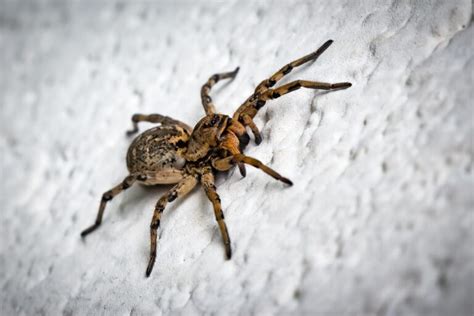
158 151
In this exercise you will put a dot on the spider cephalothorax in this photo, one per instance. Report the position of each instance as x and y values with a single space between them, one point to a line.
174 152
210 132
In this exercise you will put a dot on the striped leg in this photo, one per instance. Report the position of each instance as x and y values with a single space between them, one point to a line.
258 164
225 164
156 118
270 82
109 195
247 111
179 190
206 88
207 181
248 121
271 94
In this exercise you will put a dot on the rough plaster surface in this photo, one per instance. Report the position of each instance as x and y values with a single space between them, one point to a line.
379 221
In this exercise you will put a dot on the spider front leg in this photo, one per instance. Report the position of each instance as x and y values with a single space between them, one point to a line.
270 82
107 196
247 111
156 118
207 181
226 163
179 190
271 94
248 121
246 117
206 88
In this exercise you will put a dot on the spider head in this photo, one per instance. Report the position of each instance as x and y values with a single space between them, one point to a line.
206 134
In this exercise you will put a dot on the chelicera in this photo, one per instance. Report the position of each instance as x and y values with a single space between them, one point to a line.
175 153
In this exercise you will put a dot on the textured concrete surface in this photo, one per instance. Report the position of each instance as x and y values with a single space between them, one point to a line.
379 221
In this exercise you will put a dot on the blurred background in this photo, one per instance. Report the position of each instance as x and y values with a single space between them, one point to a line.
379 221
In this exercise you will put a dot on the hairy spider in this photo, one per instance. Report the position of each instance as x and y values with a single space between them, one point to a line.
173 152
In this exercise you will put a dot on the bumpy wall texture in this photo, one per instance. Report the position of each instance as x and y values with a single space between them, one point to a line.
379 220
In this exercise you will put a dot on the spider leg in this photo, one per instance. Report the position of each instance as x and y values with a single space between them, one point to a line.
156 118
270 82
258 164
247 111
206 88
207 181
231 143
107 196
179 190
246 117
271 94
248 121
225 164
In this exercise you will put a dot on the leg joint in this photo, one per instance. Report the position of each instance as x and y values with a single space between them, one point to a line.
270 83
172 196
125 184
260 104
155 224
287 69
107 197
206 99
294 87
219 216
136 118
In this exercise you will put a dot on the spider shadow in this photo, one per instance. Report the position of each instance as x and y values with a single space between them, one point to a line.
139 193
219 89
222 86
319 93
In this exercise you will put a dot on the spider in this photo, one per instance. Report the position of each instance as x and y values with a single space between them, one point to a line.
175 153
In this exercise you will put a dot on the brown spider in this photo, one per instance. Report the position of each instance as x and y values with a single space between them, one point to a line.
176 153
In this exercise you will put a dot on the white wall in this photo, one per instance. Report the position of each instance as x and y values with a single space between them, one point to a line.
379 220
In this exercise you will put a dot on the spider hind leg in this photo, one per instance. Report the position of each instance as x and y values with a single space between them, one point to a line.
109 195
179 190
207 181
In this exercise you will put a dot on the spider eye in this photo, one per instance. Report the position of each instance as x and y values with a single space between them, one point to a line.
214 120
